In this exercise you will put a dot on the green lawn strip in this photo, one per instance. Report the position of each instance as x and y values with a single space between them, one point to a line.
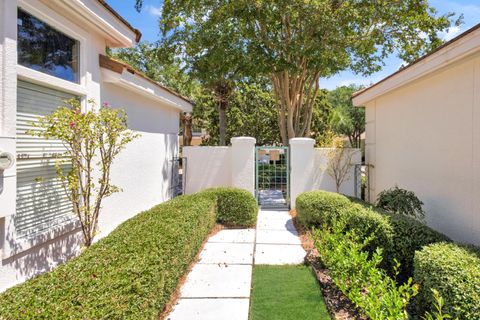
286 293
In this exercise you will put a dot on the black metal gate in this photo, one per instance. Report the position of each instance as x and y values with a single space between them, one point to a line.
177 182
272 177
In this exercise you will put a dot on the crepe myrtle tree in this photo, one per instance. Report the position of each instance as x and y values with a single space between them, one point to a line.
339 162
297 42
92 140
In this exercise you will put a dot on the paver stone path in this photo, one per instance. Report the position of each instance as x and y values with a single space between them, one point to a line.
218 287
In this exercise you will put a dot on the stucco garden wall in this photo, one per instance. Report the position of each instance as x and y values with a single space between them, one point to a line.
207 167
309 169
425 137
144 169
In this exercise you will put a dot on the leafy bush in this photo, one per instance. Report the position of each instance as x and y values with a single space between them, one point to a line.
398 235
438 305
401 201
454 272
409 235
358 275
368 223
236 207
315 208
132 272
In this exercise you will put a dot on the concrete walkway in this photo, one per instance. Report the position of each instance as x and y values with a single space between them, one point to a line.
218 287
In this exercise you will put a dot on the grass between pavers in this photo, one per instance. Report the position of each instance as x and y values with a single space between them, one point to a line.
286 293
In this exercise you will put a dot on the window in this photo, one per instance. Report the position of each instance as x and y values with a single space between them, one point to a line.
45 49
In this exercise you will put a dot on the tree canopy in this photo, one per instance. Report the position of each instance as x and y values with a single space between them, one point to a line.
345 119
295 42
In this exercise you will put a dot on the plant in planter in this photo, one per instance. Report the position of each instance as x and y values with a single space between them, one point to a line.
92 139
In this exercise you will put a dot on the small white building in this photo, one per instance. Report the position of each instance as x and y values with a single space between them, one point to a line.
50 51
423 134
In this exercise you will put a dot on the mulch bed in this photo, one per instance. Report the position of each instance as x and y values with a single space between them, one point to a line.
339 306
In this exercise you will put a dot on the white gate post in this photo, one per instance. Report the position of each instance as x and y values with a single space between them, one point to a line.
243 163
301 167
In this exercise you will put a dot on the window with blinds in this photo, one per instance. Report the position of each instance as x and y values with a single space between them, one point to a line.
41 199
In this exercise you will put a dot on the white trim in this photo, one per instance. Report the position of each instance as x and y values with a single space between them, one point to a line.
118 34
463 47
145 88
40 78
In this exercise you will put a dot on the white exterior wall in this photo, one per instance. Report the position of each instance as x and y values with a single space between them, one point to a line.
309 169
206 167
141 170
425 137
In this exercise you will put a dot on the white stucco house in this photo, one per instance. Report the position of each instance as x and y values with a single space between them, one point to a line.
49 51
423 134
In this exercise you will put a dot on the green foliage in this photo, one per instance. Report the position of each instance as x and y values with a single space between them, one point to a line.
294 43
251 112
236 207
358 275
144 57
132 272
454 272
438 304
93 140
409 235
345 119
316 208
399 236
401 201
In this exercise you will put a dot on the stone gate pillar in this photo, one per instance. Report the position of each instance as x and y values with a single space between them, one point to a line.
243 163
301 167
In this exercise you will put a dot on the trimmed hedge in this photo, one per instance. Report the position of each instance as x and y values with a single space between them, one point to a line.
399 236
236 207
427 255
316 208
454 272
132 272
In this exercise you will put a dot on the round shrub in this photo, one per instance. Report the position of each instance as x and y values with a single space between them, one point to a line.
235 207
366 222
316 208
454 272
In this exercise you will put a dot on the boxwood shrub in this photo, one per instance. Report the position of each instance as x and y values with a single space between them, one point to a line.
132 272
316 208
453 271
236 207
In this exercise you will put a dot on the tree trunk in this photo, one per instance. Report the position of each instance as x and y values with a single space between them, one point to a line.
222 91
296 94
187 130
222 126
